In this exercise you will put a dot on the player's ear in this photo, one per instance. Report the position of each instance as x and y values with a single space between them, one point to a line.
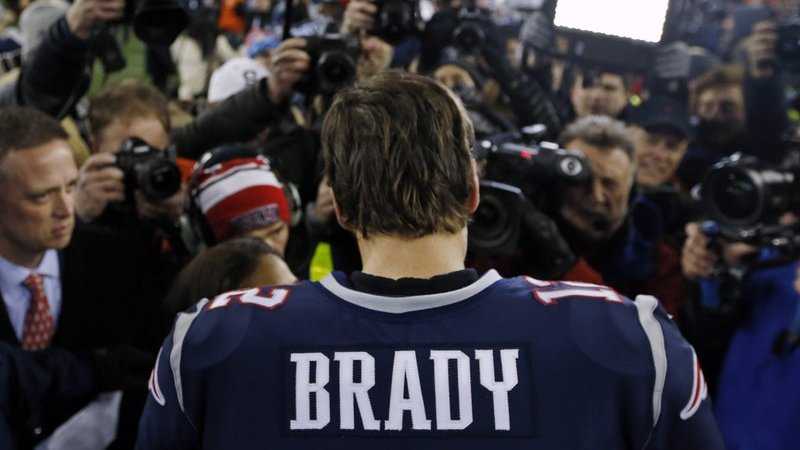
338 213
475 189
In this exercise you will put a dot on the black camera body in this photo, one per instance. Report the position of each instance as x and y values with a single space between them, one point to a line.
469 34
396 19
334 60
149 170
156 21
514 174
741 191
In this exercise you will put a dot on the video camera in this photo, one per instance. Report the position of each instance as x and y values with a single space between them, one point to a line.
516 173
747 197
149 170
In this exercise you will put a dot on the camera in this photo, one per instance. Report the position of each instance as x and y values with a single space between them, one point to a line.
517 173
469 35
741 191
149 170
396 19
156 22
334 59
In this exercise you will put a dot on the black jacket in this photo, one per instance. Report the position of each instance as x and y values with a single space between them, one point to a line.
239 118
55 77
105 326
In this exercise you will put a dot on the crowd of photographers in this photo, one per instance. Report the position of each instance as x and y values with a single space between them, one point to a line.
121 208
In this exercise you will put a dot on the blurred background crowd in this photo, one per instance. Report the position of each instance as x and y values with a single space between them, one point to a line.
157 152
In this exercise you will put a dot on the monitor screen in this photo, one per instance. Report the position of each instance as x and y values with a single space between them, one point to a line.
642 20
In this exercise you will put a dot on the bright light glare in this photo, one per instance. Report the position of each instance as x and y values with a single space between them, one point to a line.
633 19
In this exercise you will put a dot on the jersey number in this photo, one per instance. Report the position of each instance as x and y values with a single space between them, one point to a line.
549 293
264 297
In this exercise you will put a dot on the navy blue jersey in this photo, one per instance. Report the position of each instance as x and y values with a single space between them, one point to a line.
497 364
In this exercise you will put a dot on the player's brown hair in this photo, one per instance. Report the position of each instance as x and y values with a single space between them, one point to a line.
125 101
397 150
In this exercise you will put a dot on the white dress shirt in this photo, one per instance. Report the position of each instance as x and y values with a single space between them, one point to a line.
17 297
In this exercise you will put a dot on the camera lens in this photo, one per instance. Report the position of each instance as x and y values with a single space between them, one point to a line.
735 196
469 36
336 70
160 180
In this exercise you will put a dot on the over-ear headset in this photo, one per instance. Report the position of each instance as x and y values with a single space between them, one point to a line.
208 164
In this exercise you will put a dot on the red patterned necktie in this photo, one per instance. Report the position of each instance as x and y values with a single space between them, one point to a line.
38 329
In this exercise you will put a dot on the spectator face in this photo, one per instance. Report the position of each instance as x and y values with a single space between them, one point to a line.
606 97
722 114
36 200
598 209
276 235
148 129
658 153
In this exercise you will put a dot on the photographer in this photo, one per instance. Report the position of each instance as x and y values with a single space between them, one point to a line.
394 20
746 343
63 55
120 112
470 34
597 231
740 108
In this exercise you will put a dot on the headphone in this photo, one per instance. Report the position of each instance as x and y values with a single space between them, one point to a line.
198 223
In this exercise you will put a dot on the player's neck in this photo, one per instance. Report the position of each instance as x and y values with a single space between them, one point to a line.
425 257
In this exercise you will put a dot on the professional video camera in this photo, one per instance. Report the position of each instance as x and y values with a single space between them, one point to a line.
516 173
334 59
149 170
747 197
396 19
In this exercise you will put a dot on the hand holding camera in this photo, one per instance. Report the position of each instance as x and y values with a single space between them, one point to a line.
137 173
99 183
697 259
358 16
83 15
290 63
760 48
699 256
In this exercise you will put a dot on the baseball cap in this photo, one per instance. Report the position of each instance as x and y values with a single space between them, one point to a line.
663 113
234 76
239 195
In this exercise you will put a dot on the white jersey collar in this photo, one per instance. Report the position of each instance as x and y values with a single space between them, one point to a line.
399 305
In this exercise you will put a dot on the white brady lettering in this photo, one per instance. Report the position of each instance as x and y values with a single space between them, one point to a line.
304 388
351 392
444 418
508 364
405 372
405 378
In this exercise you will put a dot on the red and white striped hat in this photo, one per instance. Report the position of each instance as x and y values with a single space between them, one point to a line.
239 195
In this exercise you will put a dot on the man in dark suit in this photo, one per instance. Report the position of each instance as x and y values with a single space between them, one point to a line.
67 295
